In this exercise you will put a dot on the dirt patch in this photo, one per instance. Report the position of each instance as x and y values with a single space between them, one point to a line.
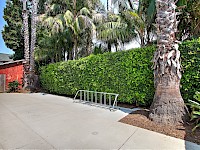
140 119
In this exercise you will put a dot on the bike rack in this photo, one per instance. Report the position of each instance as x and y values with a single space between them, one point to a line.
92 97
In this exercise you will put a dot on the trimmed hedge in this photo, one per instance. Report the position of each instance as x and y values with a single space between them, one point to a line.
127 73
190 55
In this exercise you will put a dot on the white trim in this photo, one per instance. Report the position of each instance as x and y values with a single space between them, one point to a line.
12 62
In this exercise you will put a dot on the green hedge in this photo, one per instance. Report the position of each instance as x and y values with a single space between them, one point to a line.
190 55
127 73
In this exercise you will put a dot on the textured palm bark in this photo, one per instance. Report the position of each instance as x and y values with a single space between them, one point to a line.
131 6
26 45
75 49
33 34
168 106
33 41
89 43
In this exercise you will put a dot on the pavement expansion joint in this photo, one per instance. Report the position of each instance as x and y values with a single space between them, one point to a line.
127 139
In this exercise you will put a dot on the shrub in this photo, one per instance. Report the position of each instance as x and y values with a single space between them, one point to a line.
195 106
13 86
190 56
127 73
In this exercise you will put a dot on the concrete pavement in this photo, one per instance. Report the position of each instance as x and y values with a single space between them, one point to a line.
37 121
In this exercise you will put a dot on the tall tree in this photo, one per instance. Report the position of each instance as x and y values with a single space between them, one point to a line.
33 35
12 32
29 7
71 19
26 44
168 106
141 13
115 30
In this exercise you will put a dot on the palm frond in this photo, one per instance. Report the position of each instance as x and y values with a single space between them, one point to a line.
48 22
85 11
69 17
57 26
55 8
85 22
98 18
114 25
151 11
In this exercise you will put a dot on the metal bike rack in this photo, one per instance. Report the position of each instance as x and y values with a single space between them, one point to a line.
92 98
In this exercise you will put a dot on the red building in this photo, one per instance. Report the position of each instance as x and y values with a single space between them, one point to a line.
10 71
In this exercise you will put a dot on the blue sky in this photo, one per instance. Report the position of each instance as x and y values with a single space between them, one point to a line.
104 1
3 48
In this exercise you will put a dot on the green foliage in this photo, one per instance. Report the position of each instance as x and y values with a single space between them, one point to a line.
127 73
190 56
12 32
13 86
189 25
97 50
195 106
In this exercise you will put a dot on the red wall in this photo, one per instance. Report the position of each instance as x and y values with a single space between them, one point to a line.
13 72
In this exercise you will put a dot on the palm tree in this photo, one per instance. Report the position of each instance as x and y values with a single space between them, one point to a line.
168 106
138 23
33 41
73 22
114 30
26 44
140 18
78 23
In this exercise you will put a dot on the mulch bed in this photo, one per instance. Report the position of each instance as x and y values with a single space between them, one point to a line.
140 119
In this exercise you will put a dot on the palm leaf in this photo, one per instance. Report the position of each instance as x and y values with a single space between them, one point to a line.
98 18
85 11
57 26
151 11
196 113
181 3
197 126
48 22
69 17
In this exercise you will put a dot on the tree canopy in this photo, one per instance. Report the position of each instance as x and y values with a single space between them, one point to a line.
12 32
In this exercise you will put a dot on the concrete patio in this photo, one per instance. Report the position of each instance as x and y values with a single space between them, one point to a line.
44 121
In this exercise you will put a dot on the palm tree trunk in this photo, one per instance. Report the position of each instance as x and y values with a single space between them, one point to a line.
74 7
142 40
116 46
109 47
89 43
168 106
70 54
33 40
75 49
26 45
107 5
129 1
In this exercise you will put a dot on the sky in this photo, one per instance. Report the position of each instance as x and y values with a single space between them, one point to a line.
3 48
104 2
